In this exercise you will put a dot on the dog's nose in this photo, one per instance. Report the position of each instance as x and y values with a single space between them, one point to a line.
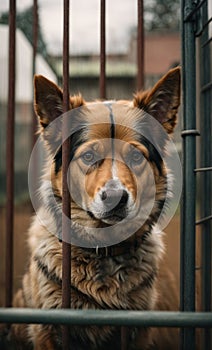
114 198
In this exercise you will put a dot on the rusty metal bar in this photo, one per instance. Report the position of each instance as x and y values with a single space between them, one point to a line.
124 338
35 44
66 248
140 46
102 51
10 156
34 119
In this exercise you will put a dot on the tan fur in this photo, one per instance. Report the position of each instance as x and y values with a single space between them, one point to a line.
136 278
161 100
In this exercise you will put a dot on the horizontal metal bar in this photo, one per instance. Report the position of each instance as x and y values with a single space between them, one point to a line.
107 317
190 132
206 87
193 11
203 220
202 29
207 42
197 170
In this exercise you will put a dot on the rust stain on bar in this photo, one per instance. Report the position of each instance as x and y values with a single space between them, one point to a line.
140 46
10 157
102 51
35 44
33 114
66 248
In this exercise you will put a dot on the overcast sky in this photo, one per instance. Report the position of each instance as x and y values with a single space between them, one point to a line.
121 17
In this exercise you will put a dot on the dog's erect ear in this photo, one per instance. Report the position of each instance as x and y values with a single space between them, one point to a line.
163 100
48 100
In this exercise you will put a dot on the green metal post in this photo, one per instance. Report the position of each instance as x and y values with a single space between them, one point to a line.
206 157
189 163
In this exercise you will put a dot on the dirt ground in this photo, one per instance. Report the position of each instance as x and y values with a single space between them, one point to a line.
22 220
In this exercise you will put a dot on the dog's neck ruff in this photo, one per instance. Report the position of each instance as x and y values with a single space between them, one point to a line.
122 248
118 249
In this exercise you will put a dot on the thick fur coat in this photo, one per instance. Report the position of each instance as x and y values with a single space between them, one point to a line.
131 274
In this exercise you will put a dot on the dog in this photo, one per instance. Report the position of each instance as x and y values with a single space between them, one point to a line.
118 185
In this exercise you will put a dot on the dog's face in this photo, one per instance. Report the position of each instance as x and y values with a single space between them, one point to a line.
116 150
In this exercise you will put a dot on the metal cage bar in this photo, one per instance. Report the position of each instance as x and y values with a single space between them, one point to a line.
196 24
34 54
206 176
10 156
107 317
140 45
102 84
188 209
66 248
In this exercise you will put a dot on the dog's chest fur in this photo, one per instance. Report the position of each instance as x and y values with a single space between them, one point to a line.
125 281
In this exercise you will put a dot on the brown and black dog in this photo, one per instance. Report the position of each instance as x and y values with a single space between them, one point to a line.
118 188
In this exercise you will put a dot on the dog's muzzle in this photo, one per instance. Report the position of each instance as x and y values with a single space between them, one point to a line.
114 200
111 204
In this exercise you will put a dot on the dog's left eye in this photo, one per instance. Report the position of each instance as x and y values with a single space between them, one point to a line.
88 157
137 157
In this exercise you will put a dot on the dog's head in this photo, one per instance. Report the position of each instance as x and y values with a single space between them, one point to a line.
117 170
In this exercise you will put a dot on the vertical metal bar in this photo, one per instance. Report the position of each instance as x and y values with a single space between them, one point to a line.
102 51
140 46
124 338
206 158
35 44
66 248
10 156
33 115
189 181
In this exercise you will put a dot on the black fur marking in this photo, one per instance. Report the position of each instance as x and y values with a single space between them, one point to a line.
90 214
58 160
77 139
154 156
149 280
94 166
160 204
51 276
112 127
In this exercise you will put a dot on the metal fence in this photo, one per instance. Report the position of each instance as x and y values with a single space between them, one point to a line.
197 96
196 34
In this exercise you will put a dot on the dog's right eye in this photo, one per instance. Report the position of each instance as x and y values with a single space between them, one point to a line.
88 157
